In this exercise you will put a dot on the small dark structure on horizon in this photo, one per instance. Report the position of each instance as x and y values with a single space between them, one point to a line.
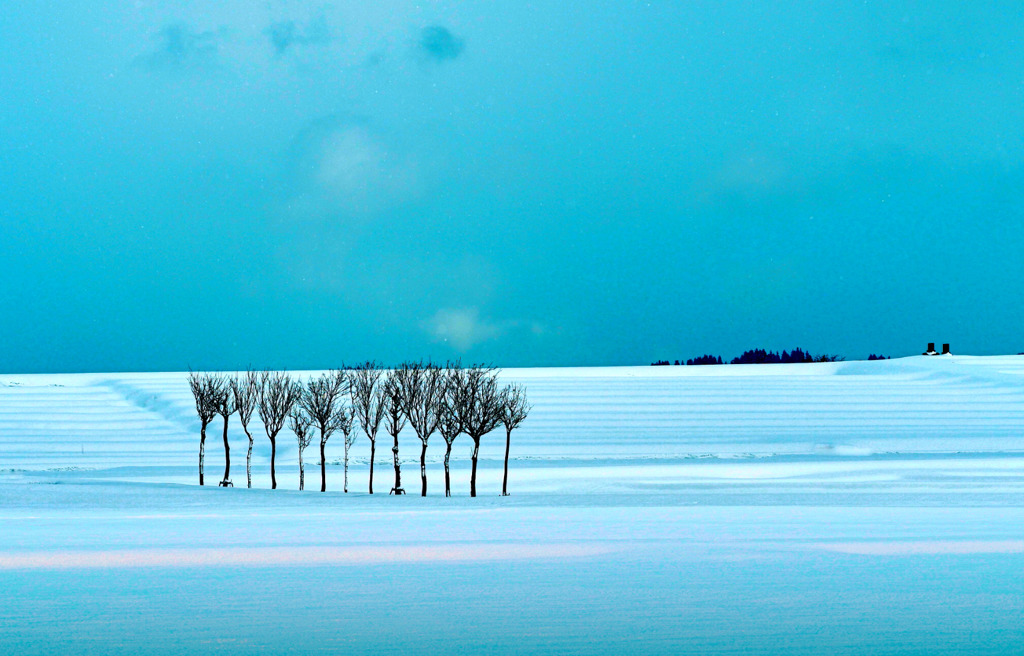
931 350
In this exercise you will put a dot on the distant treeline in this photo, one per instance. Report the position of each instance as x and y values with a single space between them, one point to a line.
761 356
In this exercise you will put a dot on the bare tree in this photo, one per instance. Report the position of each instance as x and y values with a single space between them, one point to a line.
514 409
225 402
347 426
323 400
206 390
449 421
246 390
422 386
277 396
367 393
302 425
480 408
394 421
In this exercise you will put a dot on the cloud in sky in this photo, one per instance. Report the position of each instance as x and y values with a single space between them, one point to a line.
286 35
346 168
438 43
462 328
180 47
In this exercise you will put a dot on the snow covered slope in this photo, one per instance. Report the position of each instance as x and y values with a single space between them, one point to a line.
837 508
913 405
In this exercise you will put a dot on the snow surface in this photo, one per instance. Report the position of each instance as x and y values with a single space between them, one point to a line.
833 508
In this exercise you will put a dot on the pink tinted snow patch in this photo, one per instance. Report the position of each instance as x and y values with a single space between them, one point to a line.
267 556
925 547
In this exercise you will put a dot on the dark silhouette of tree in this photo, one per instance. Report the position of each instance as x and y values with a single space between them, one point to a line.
277 396
514 409
206 388
449 421
756 356
246 391
480 409
825 357
705 359
302 425
421 386
367 392
797 355
394 421
225 402
877 357
323 401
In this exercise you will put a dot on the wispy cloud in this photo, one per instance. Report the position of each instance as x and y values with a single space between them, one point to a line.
465 328
439 44
181 47
347 169
286 35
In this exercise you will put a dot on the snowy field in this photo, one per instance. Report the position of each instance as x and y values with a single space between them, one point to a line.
834 508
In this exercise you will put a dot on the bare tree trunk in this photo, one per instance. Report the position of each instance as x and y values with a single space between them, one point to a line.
423 468
227 451
472 477
202 451
504 481
373 448
323 468
398 468
447 477
273 457
248 460
346 465
302 473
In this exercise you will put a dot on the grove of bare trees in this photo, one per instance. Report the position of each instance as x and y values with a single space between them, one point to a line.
450 400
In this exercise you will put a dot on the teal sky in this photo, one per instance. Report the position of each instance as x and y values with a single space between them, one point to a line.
295 184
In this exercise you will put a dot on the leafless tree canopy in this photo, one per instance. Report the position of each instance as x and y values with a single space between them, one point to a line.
367 392
323 400
394 416
514 407
206 390
480 406
422 386
449 420
277 396
302 425
246 389
225 399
